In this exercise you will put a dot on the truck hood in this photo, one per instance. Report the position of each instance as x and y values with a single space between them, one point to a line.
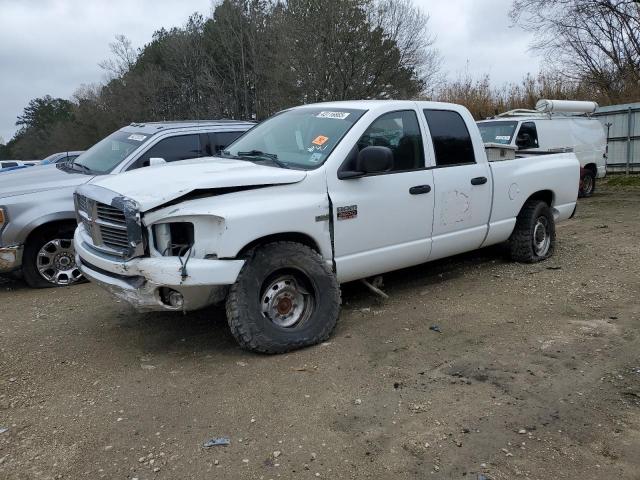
38 179
152 187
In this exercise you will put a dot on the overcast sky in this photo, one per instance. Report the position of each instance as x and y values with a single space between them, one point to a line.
54 46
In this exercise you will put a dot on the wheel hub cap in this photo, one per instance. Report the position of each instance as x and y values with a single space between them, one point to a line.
56 262
541 238
285 302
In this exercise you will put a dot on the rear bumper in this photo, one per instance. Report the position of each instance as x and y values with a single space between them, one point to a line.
140 281
11 258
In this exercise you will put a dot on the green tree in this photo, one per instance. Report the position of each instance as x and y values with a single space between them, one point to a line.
43 112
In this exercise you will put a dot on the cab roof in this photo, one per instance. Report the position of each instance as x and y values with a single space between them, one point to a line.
376 104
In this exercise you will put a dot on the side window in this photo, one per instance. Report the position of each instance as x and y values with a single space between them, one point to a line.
222 140
173 149
451 140
400 132
9 164
527 136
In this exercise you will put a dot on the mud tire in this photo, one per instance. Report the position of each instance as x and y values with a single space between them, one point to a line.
523 241
252 328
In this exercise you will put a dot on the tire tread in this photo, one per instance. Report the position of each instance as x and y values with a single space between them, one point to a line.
520 242
248 336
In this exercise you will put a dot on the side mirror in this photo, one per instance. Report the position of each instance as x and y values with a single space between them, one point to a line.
370 160
156 161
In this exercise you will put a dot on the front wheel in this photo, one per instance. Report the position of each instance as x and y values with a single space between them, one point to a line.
286 297
49 259
534 236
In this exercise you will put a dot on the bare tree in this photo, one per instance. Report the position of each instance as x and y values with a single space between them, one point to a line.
595 41
125 57
408 26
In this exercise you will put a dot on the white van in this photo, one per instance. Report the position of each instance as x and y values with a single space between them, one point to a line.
555 126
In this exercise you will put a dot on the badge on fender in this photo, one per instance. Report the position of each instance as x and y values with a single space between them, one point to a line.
347 213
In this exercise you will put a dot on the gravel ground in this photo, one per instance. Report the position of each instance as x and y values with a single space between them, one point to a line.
534 375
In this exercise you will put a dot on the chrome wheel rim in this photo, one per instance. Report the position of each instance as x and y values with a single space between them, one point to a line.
286 302
541 237
56 262
587 184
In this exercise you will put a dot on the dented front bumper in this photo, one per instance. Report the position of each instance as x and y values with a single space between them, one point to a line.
140 281
10 258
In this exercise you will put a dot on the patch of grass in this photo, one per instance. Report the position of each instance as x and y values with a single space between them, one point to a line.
623 180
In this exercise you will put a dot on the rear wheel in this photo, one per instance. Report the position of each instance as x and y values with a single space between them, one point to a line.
49 259
534 236
587 184
285 297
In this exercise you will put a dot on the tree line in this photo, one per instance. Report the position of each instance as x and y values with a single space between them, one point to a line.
252 58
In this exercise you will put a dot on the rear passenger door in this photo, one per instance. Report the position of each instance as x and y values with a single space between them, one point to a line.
462 187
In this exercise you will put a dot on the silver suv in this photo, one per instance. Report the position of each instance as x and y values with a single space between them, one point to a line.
37 217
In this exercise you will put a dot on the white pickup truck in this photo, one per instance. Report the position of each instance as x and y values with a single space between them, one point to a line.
313 197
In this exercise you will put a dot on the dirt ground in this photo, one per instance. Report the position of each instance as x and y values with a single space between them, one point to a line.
535 375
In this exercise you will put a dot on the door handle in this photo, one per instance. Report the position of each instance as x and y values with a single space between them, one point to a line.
420 189
479 181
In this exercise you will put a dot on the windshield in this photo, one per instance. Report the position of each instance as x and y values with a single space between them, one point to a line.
299 138
497 132
105 155
49 159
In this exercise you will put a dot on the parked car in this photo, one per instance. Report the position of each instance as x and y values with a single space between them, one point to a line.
555 126
61 157
311 198
37 216
11 165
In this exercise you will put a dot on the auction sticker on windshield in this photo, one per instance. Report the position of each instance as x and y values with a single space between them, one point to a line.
137 137
320 140
336 115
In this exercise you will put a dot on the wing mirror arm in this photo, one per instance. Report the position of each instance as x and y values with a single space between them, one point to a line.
156 161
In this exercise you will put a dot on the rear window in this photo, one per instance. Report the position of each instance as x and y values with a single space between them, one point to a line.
451 140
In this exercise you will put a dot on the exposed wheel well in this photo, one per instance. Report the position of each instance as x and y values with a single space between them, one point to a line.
71 224
282 237
544 195
592 168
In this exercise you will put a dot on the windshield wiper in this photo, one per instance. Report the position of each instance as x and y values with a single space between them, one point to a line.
272 157
72 164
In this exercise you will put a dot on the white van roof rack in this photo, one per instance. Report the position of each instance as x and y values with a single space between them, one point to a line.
549 108
521 112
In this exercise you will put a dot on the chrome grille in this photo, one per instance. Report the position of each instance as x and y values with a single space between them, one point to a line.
114 237
110 214
82 202
106 225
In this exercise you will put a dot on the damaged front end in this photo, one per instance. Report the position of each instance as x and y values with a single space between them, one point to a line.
113 222
152 267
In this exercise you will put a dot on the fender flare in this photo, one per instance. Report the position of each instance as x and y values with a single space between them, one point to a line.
40 221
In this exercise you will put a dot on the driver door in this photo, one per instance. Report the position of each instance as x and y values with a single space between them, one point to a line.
383 221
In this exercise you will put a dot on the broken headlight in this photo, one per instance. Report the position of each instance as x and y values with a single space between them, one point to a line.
173 239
